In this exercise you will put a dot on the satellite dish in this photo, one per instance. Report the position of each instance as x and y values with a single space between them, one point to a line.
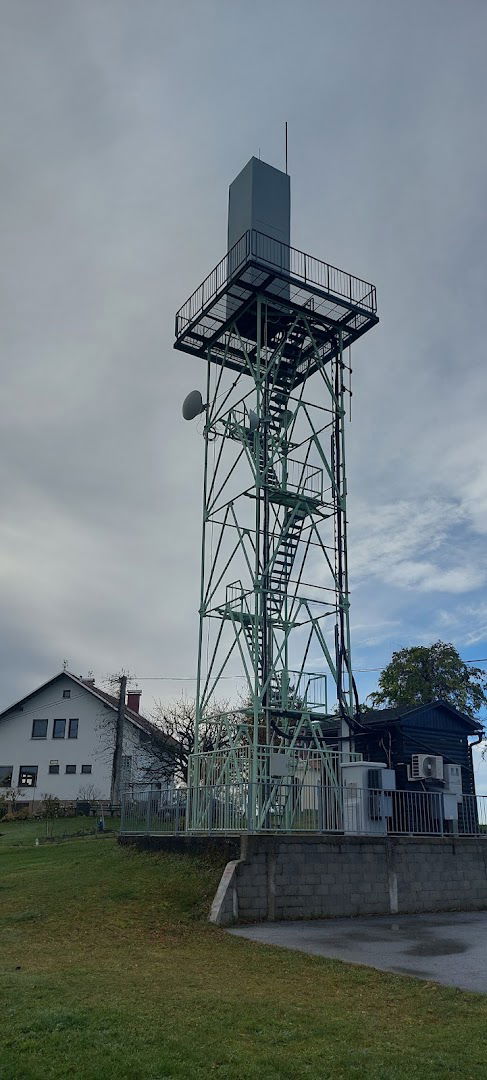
192 405
253 420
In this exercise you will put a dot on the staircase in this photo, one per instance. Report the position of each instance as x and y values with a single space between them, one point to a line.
274 690
295 507
278 401
284 560
292 524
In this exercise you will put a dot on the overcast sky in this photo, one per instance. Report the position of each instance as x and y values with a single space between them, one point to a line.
122 126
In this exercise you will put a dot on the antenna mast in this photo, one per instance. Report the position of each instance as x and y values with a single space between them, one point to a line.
272 325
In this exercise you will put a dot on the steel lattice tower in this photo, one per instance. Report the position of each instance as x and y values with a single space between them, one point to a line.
273 326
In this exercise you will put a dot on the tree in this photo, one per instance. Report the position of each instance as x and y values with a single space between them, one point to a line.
176 721
421 674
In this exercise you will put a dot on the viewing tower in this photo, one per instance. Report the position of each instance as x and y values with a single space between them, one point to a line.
273 326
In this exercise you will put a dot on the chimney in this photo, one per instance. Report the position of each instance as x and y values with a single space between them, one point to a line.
133 700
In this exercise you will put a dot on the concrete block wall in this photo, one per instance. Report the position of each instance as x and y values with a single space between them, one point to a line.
302 877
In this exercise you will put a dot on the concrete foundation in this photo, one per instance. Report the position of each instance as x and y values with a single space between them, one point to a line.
303 877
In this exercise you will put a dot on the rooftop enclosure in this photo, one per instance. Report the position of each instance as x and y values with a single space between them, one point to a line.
259 198
274 604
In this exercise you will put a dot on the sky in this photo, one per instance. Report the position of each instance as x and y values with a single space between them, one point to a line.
122 126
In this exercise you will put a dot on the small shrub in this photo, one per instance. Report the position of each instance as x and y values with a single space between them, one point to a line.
51 807
16 815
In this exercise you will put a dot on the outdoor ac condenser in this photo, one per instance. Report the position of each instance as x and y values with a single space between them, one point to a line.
367 798
425 767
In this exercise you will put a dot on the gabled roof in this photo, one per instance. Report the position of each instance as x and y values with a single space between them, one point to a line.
385 717
108 700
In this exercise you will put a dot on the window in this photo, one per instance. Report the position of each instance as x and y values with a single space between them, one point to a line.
6 772
54 768
86 769
73 729
39 729
28 776
66 693
70 768
59 728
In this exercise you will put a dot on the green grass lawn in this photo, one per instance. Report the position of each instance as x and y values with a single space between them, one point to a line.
109 969
22 833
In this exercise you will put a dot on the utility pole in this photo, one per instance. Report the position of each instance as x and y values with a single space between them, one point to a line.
118 750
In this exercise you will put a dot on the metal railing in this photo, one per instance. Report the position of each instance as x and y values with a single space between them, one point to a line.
153 810
299 477
217 769
291 805
257 246
309 688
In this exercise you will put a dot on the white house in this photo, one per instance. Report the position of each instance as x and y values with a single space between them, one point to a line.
59 741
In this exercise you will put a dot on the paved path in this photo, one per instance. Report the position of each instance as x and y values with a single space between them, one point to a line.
447 948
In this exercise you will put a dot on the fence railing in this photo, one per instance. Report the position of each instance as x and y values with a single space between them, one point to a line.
153 810
287 804
256 246
221 770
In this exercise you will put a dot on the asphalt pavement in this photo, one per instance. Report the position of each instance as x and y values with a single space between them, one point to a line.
448 948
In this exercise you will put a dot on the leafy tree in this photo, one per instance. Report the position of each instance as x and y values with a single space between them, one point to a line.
423 673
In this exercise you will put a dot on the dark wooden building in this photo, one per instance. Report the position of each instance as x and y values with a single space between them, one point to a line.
437 729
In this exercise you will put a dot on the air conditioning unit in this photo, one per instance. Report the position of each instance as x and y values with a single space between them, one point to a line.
425 767
367 797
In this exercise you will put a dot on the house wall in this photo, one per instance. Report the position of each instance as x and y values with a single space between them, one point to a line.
93 745
144 764
445 734
430 731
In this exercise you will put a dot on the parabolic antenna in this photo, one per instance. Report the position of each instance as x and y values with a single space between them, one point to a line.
192 405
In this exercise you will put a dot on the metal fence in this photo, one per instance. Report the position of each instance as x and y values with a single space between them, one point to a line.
293 807
222 770
153 810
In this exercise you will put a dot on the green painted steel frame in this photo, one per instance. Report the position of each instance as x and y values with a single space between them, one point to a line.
264 617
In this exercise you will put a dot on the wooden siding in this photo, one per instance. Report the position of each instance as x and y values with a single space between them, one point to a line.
431 730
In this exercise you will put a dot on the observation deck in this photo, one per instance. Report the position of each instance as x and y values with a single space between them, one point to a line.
311 302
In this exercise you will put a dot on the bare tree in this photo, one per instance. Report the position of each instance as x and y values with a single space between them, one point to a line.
176 720
88 793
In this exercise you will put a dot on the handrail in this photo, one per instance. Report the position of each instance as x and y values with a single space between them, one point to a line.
290 261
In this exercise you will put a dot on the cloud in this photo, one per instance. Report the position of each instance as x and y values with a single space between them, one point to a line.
427 577
389 542
122 128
